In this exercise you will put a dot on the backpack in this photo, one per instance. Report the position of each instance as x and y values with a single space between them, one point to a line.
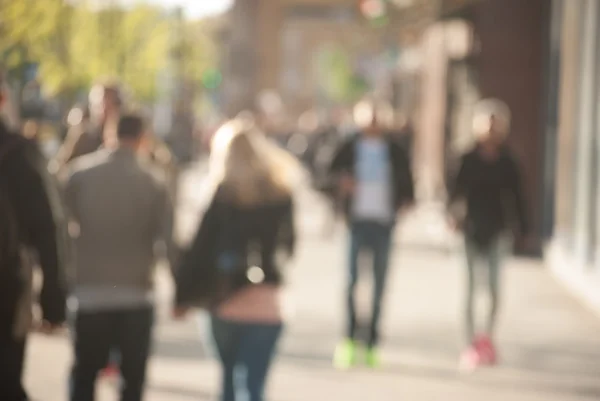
9 229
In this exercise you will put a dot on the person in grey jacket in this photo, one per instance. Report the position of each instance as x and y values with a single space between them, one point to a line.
120 210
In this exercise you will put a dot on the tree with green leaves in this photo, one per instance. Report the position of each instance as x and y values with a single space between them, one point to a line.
74 44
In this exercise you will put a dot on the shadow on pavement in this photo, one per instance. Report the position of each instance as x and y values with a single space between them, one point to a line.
180 349
489 380
525 368
181 392
555 360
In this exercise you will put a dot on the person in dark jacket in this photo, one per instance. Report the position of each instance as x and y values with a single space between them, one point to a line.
488 185
375 184
34 207
233 267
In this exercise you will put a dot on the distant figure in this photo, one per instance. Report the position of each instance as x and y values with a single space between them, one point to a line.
30 220
375 184
121 210
234 267
105 103
489 187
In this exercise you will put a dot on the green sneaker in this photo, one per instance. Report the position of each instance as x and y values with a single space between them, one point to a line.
372 358
345 354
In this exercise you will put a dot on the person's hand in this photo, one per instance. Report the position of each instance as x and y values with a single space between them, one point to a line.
180 312
406 209
47 328
347 184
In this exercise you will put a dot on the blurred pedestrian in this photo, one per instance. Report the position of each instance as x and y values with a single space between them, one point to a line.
374 184
105 103
489 187
233 268
119 211
30 219
158 154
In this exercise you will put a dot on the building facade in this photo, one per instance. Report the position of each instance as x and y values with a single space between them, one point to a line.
573 148
480 49
272 44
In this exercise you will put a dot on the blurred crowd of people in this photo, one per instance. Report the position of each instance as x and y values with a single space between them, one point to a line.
104 208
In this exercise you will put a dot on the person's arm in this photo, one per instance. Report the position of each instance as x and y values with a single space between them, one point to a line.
456 194
166 218
340 161
519 198
70 149
288 233
34 212
190 273
457 187
404 176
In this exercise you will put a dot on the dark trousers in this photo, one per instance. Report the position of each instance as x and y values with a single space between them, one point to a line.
246 351
97 334
375 238
12 355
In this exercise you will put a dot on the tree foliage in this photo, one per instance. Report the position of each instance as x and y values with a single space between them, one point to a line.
338 77
74 44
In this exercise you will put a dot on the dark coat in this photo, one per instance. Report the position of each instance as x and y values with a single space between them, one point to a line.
35 204
493 194
226 227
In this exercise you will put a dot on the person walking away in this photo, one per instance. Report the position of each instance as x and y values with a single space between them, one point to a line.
489 182
235 266
105 102
375 184
30 219
94 129
121 211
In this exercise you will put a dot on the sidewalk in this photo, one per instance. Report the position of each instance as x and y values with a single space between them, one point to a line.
550 345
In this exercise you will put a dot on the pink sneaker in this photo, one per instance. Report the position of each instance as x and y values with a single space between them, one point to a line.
487 350
470 359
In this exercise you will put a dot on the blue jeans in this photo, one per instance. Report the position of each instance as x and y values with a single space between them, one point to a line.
96 335
375 238
245 351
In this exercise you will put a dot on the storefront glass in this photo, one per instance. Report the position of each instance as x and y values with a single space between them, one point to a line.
585 130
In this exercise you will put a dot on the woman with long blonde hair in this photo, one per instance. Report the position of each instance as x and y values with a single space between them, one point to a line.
233 269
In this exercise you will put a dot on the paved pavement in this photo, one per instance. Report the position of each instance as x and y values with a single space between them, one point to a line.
550 345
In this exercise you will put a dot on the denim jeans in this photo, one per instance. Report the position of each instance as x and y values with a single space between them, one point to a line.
97 334
375 238
245 351
492 257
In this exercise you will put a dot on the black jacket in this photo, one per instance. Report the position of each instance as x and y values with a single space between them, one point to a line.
493 194
402 180
226 226
29 193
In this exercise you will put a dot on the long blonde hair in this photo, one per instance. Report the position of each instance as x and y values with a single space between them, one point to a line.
249 168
